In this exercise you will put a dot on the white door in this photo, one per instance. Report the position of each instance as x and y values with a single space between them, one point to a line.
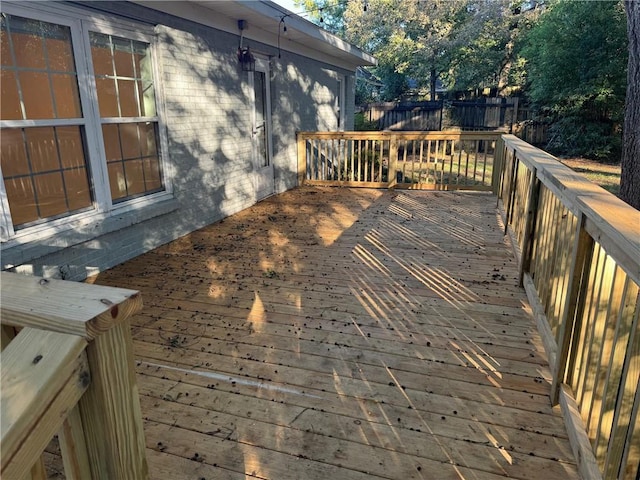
261 129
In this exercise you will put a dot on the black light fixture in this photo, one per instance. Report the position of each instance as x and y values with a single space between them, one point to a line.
245 57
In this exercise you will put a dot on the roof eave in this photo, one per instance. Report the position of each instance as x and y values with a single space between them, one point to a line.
263 18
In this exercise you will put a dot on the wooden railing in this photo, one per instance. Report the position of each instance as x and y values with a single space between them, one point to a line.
412 160
579 253
69 370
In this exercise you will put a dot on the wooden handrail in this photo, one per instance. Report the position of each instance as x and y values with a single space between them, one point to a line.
42 373
610 219
579 249
83 332
50 304
437 160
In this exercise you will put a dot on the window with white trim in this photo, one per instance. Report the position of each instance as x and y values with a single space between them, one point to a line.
79 129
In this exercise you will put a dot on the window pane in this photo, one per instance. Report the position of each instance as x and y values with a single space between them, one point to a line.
147 99
14 155
129 140
148 139
22 201
36 94
116 181
107 97
65 91
123 71
77 187
152 178
133 73
128 98
9 99
70 147
123 57
111 142
139 171
59 52
5 52
101 54
51 196
42 149
39 183
40 48
135 177
27 42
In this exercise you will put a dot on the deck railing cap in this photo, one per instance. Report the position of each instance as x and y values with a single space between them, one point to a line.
64 306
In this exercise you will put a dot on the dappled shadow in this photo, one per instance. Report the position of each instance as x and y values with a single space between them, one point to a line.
335 331
205 108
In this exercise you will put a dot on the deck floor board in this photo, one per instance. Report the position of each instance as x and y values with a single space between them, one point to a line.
343 333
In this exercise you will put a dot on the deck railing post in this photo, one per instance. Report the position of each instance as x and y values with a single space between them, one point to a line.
511 192
110 418
498 165
529 227
578 278
110 409
302 158
392 173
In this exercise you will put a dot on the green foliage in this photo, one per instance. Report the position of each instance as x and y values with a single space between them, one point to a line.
487 58
466 43
362 124
326 13
576 135
576 57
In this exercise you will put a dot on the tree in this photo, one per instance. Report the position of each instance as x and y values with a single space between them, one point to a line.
413 38
326 13
465 43
488 56
576 56
630 179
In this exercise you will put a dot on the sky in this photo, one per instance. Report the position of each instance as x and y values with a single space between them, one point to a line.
289 5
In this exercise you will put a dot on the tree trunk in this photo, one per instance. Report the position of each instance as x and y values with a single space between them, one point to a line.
630 179
432 83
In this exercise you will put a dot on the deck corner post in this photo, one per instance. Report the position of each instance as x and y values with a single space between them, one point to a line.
392 173
110 408
578 278
498 166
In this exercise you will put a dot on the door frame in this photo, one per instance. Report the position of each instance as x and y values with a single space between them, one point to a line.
264 181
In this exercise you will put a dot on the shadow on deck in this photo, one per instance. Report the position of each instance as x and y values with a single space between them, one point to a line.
348 334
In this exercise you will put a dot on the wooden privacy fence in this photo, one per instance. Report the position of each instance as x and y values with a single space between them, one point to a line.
579 251
69 370
411 160
481 114
405 116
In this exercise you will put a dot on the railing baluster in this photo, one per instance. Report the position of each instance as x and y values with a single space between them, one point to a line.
73 447
626 325
530 221
578 276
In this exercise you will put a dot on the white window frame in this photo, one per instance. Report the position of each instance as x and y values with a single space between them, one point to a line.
80 23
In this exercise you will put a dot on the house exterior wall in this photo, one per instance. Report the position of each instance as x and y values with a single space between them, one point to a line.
205 99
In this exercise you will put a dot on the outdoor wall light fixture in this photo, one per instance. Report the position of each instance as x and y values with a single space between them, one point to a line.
245 57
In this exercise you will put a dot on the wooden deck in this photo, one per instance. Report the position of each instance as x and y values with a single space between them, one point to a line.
343 334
